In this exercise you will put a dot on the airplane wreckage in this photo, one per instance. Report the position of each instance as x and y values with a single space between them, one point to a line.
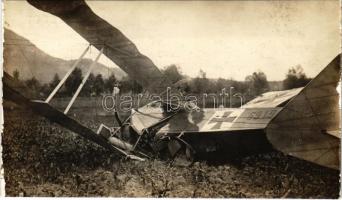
302 122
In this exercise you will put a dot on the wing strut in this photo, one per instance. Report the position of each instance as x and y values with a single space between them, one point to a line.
93 64
66 76
45 110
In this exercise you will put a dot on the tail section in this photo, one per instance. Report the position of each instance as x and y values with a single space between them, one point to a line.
309 126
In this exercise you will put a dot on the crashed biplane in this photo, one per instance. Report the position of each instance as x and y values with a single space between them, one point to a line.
302 122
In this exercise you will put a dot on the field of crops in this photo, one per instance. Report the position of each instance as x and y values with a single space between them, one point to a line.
43 159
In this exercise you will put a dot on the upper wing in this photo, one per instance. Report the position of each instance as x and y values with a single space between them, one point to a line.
99 33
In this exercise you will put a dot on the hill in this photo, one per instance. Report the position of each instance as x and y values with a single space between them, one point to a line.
22 55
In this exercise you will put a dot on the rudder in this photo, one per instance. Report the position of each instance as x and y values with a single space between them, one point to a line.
309 127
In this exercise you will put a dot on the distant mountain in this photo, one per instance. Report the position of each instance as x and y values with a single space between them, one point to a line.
22 55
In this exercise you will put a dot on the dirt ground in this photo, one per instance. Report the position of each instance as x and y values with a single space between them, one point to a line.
43 159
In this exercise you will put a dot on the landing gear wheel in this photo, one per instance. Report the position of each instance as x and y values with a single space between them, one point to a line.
182 153
183 158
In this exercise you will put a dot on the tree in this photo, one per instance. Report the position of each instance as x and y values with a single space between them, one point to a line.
45 90
72 83
110 83
239 86
220 84
173 73
200 83
34 86
88 89
54 82
295 78
129 85
257 83
99 85
16 75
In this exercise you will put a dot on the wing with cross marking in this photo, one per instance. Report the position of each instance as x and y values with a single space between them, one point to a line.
206 120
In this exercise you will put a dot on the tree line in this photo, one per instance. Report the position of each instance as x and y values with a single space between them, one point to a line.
253 85
94 86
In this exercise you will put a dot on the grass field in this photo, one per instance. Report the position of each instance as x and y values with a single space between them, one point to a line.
44 159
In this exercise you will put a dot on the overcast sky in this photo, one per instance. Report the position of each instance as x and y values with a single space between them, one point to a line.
229 39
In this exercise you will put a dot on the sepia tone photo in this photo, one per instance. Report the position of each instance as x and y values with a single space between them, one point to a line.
193 99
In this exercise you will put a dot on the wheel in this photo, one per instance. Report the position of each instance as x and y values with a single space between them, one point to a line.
181 153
